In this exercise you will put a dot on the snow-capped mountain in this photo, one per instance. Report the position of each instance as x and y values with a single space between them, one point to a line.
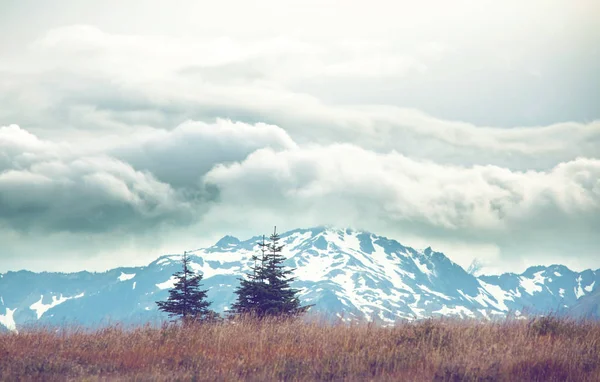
345 273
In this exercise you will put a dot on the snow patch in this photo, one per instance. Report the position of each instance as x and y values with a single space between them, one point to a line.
561 291
532 286
40 308
590 287
126 276
499 294
516 293
133 287
422 267
7 319
479 298
441 295
391 266
298 239
168 259
222 263
417 311
314 267
578 290
345 281
170 283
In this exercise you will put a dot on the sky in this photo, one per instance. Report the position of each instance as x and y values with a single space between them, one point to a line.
129 130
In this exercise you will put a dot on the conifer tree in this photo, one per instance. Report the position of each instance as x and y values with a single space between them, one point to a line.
266 291
252 287
186 300
280 298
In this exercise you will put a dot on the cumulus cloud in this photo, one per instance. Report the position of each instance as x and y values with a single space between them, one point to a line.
182 156
436 124
135 183
479 198
344 184
86 194
220 176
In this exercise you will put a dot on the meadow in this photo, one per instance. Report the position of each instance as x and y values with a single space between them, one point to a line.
546 349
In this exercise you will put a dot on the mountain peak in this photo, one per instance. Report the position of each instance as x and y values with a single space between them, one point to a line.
227 241
342 271
542 268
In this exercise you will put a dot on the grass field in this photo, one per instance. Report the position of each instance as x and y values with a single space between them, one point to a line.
445 350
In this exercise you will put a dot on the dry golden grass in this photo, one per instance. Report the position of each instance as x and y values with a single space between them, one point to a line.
444 350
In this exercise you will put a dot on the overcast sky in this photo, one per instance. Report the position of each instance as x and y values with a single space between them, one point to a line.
129 130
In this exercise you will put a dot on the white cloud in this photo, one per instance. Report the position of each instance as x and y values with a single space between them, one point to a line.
183 155
451 197
219 177
350 118
133 183
133 82
347 185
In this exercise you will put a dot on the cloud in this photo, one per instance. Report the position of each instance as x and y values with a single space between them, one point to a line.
87 195
136 183
218 177
521 212
182 156
82 80
448 128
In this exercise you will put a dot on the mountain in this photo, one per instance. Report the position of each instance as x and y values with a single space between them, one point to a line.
345 273
588 307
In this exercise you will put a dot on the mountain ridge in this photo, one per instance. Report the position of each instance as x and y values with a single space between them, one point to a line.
344 272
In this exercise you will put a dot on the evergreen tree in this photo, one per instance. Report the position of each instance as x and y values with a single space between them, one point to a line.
280 298
252 287
186 300
267 291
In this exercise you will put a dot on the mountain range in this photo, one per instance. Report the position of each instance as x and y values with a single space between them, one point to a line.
346 274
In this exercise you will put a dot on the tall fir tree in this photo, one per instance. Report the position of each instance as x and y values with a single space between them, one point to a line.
186 300
280 297
252 287
266 291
